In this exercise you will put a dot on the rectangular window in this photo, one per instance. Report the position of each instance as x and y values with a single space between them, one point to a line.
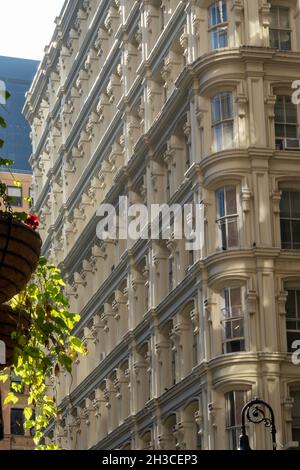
218 25
233 321
280 28
234 402
286 124
17 422
295 394
290 220
16 196
292 317
227 217
222 122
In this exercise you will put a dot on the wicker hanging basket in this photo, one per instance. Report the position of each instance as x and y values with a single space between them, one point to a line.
20 249
10 322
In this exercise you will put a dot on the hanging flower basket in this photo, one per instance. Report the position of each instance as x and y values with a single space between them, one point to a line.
20 249
11 321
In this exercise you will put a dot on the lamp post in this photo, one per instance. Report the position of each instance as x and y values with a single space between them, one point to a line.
255 413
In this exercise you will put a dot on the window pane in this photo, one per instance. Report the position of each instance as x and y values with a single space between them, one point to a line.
223 37
274 17
212 15
274 39
285 205
216 109
295 394
226 104
232 234
227 136
279 109
291 132
226 295
290 304
235 297
296 234
214 39
279 130
291 111
13 191
291 337
218 138
285 41
284 18
238 328
224 236
231 205
16 422
221 202
286 238
295 204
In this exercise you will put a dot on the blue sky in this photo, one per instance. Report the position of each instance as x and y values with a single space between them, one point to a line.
27 26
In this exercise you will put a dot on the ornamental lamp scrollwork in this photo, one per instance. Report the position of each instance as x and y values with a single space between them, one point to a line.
257 411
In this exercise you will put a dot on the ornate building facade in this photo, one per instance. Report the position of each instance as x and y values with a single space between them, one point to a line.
170 102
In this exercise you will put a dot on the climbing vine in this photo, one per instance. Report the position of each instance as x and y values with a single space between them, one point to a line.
47 343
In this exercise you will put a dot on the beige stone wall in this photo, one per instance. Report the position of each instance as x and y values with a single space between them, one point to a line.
122 104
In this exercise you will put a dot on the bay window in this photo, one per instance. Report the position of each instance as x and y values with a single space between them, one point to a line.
218 25
222 122
280 28
234 403
227 217
232 321
290 220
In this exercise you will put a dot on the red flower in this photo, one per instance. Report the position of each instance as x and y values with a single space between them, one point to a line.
32 221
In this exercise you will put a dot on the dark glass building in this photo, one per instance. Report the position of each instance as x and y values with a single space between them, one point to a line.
17 75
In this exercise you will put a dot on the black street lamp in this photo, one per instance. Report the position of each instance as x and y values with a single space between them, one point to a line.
255 413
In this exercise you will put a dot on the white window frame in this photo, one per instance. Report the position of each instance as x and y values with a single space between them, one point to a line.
229 317
278 29
296 318
227 219
217 27
280 139
233 430
222 123
290 219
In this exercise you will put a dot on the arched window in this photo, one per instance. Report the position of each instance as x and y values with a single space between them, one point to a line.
290 219
218 24
227 218
222 121
280 28
233 321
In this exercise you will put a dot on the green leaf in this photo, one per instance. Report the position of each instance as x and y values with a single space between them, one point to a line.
28 413
4 377
77 345
2 123
6 162
1 143
11 399
29 424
